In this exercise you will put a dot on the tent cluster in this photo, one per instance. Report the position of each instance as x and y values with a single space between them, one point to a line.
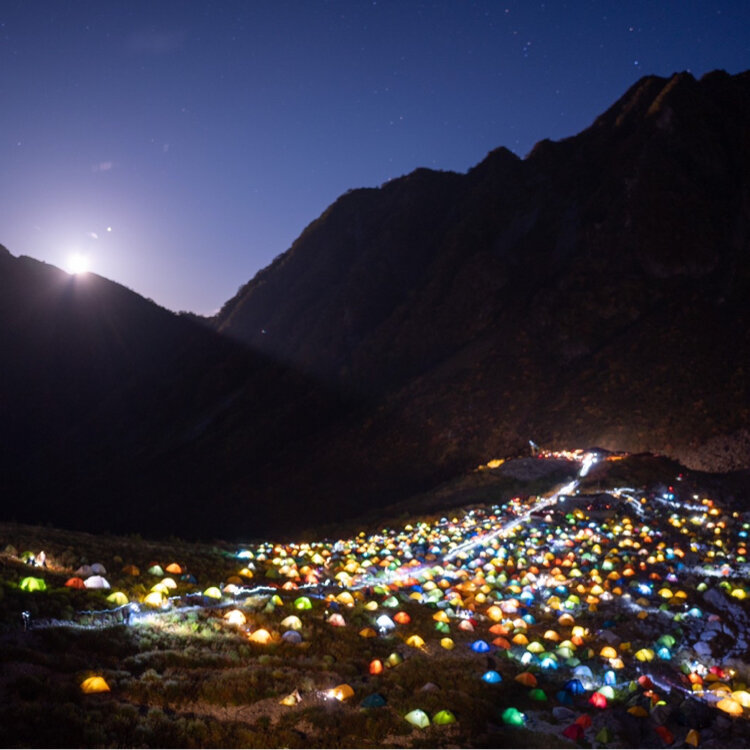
580 603
598 605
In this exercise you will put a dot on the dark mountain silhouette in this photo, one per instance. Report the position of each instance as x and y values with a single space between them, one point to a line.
118 414
595 293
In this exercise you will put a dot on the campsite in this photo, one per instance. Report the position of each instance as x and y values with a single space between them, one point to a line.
595 613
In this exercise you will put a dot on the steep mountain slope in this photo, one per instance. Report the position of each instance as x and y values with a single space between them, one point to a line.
595 292
117 414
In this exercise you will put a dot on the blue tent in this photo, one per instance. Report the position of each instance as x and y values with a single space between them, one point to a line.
375 700
574 687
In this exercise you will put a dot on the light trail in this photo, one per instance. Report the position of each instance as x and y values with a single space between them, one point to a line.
587 461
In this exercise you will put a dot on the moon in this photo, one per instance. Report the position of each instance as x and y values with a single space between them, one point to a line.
76 264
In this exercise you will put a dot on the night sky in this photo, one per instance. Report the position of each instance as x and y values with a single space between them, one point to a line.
181 146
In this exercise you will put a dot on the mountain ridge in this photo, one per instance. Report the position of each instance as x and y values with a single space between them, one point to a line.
596 292
655 180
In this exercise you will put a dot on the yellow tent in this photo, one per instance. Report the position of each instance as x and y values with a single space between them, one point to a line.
292 699
261 636
340 692
96 684
154 599
730 706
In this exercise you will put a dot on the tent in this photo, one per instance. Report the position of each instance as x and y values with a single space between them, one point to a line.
292 622
292 699
155 599
96 684
598 700
96 582
32 584
574 732
526 678
261 636
444 717
373 701
385 624
394 659
513 717
730 706
604 736
666 736
574 687
235 617
341 692
418 718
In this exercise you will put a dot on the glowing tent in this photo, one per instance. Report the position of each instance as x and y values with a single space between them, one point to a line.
96 684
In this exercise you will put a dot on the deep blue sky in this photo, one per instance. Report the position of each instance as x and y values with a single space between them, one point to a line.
207 135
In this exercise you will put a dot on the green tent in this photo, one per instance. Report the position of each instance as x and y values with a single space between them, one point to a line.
604 736
302 603
513 717
394 659
444 717
32 584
